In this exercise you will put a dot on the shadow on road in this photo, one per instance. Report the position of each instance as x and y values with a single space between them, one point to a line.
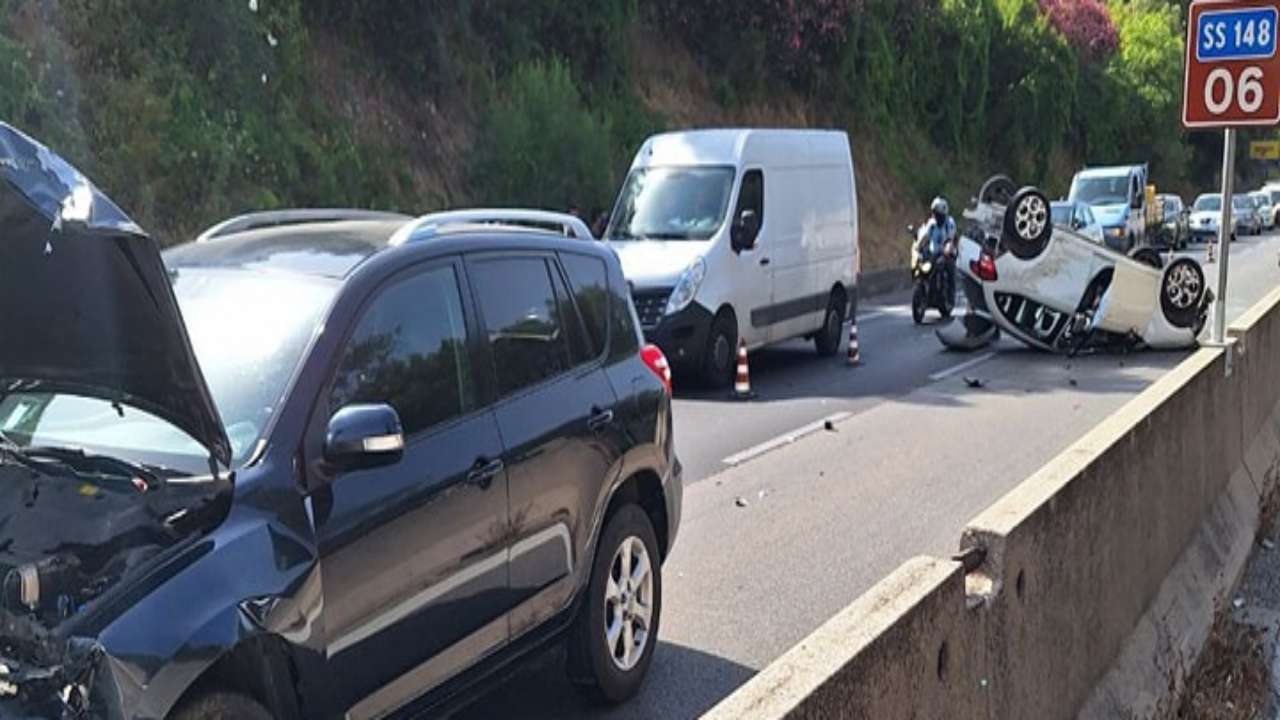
682 683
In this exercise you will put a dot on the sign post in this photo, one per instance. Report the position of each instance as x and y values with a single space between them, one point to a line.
1232 81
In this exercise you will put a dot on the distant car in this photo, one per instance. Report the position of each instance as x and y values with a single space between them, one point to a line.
1175 228
1273 195
1057 290
1205 216
1078 217
1250 219
320 464
1266 212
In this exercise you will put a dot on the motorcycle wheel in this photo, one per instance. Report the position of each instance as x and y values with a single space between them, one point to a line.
919 303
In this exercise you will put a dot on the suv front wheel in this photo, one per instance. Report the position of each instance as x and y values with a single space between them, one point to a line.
616 630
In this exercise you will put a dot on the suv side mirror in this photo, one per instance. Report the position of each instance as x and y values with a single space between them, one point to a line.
361 437
742 236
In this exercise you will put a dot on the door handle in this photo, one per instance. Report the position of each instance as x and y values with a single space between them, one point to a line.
599 419
483 472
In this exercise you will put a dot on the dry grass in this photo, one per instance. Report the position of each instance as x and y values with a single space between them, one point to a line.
1230 680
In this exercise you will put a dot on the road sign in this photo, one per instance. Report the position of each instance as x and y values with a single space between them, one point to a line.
1233 69
1264 150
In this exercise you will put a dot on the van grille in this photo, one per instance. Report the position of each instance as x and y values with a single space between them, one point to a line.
650 306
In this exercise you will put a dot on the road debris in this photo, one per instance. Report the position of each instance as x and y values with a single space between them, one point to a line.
975 383
741 502
1072 382
1267 544
829 426
1238 603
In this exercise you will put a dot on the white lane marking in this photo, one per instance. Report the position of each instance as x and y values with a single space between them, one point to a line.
868 317
944 374
782 440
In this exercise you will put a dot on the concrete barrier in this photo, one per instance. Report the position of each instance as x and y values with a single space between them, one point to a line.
1093 583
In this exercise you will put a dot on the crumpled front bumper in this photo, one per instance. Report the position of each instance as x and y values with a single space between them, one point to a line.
43 676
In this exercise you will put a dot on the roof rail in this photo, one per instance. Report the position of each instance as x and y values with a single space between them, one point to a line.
433 223
281 218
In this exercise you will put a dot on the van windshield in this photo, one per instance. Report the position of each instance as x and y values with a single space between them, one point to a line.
672 204
1101 190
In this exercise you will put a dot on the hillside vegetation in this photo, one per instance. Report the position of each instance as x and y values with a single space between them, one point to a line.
187 112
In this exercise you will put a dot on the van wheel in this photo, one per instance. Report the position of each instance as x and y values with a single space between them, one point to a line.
613 638
827 340
719 360
220 705
1027 225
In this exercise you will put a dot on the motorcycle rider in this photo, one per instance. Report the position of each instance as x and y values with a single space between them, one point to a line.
937 239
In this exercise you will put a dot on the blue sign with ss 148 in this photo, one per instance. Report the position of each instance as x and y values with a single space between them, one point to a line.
1245 34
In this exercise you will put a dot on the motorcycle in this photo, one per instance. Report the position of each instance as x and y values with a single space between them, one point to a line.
933 280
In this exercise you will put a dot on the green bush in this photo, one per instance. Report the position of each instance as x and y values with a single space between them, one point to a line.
540 146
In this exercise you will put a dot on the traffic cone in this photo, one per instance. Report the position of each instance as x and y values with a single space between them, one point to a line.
855 357
1208 249
742 381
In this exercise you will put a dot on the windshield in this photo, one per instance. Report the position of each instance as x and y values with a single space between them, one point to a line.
1239 202
672 204
1208 203
1101 190
249 331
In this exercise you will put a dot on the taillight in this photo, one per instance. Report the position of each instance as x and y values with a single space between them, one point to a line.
657 362
984 267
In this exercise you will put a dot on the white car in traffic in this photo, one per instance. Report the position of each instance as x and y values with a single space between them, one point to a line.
1058 290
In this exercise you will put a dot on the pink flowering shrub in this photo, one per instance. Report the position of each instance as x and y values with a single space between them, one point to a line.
796 34
1085 24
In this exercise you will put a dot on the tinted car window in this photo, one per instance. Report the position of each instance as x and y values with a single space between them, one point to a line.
523 321
410 351
588 278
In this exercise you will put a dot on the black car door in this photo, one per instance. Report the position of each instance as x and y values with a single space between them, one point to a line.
413 556
556 412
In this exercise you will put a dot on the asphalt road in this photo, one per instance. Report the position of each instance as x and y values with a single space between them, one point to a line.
809 518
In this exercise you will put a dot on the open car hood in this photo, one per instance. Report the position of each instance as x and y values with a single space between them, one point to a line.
85 302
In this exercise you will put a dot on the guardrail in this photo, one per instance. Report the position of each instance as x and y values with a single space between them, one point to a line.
1091 585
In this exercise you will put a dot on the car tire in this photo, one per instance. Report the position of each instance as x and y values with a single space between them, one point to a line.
919 303
220 706
1182 292
998 190
719 360
601 669
1027 224
827 340
1148 256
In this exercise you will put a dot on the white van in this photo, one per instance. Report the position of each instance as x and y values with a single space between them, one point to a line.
728 234
1118 197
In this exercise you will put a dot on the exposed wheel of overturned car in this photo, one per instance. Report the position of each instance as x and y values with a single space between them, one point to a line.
1027 226
1148 256
997 190
1182 293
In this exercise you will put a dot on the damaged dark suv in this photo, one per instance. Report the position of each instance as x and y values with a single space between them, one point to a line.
316 464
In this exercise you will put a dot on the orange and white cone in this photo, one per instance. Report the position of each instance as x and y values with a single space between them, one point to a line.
742 381
1208 250
855 357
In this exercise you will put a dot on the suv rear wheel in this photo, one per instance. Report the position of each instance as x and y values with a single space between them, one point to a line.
616 630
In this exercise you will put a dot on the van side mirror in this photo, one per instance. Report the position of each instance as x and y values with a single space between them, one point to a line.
362 437
742 236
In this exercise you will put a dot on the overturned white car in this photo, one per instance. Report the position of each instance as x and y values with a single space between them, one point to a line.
1058 290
